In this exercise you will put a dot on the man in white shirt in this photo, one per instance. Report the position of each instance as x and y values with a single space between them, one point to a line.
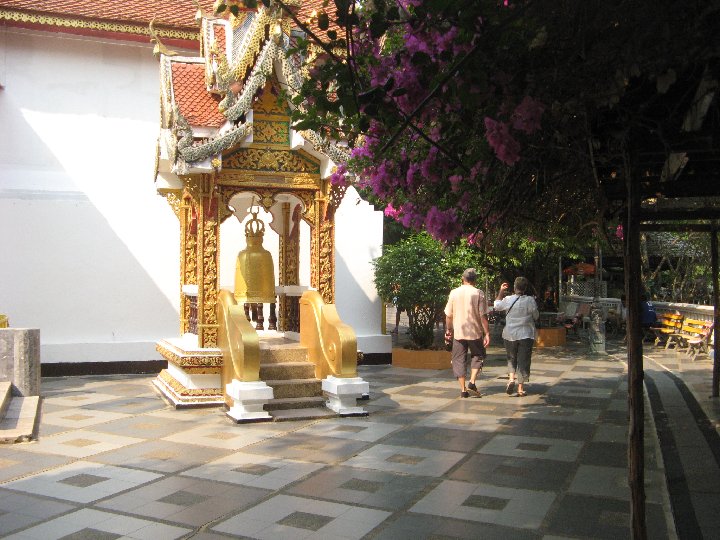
521 312
467 325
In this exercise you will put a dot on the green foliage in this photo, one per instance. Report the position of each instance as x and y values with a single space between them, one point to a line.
417 274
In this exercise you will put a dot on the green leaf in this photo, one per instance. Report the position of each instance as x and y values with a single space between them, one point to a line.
234 9
323 21
332 34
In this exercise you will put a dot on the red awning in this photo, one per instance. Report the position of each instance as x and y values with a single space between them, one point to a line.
581 268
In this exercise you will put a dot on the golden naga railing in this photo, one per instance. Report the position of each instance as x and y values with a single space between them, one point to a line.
238 342
331 344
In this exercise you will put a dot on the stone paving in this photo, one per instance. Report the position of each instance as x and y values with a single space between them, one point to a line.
113 460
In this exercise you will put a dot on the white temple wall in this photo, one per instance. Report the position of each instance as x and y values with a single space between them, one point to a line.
358 240
90 252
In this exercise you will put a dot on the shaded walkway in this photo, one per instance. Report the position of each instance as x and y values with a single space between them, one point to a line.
687 430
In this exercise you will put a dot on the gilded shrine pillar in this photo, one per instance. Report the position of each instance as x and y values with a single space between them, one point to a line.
289 271
322 251
188 263
207 256
192 377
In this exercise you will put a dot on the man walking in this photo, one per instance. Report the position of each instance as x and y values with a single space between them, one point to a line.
466 325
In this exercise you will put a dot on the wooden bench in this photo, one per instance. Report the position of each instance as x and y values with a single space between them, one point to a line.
668 324
694 337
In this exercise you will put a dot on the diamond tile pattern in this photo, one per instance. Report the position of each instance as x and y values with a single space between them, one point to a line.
424 464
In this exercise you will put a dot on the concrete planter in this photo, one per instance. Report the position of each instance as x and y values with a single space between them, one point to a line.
550 337
421 359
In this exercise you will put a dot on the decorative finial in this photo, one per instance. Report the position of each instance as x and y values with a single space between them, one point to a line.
159 47
199 14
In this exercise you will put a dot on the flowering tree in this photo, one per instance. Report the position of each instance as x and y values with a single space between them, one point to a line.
478 118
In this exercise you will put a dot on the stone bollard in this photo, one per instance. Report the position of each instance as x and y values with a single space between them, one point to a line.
20 360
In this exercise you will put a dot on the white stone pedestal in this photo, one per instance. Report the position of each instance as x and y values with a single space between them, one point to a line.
343 394
248 400
20 360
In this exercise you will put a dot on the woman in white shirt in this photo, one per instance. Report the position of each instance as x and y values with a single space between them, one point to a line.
521 312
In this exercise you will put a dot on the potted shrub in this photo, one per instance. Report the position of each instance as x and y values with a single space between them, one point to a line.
417 274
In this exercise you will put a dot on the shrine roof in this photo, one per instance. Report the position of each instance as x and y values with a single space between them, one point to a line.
196 104
220 38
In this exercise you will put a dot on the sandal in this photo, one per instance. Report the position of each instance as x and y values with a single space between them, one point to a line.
510 388
522 393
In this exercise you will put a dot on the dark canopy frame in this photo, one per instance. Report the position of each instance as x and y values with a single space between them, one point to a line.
689 201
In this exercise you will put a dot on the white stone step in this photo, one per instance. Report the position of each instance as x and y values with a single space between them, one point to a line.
5 397
18 424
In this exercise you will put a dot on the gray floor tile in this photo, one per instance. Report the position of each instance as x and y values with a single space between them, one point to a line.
385 490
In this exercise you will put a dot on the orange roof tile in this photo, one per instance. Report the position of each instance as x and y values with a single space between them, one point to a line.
196 104
308 6
176 14
220 38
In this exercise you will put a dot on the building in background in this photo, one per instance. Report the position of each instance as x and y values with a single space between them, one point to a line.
90 251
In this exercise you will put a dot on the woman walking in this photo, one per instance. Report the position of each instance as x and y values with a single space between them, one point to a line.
521 312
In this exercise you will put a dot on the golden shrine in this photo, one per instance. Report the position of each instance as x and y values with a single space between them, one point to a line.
227 148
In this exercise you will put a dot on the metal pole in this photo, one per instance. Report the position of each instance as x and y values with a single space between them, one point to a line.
597 322
636 405
716 314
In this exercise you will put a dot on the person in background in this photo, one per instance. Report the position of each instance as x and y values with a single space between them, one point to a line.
466 325
521 312
548 302
648 317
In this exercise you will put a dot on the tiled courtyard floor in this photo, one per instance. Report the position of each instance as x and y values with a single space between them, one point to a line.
113 460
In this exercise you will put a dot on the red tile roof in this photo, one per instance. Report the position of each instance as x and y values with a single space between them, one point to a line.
176 13
308 6
220 38
196 104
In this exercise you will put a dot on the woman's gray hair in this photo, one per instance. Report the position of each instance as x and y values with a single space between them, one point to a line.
520 285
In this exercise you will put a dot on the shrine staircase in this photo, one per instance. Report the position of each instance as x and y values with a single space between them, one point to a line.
297 393
18 415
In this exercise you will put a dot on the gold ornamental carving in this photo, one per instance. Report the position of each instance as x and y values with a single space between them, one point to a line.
271 132
271 160
269 179
208 327
68 22
269 104
182 391
174 199
188 255
326 259
208 362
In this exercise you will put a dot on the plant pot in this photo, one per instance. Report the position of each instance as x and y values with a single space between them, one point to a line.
420 359
550 337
